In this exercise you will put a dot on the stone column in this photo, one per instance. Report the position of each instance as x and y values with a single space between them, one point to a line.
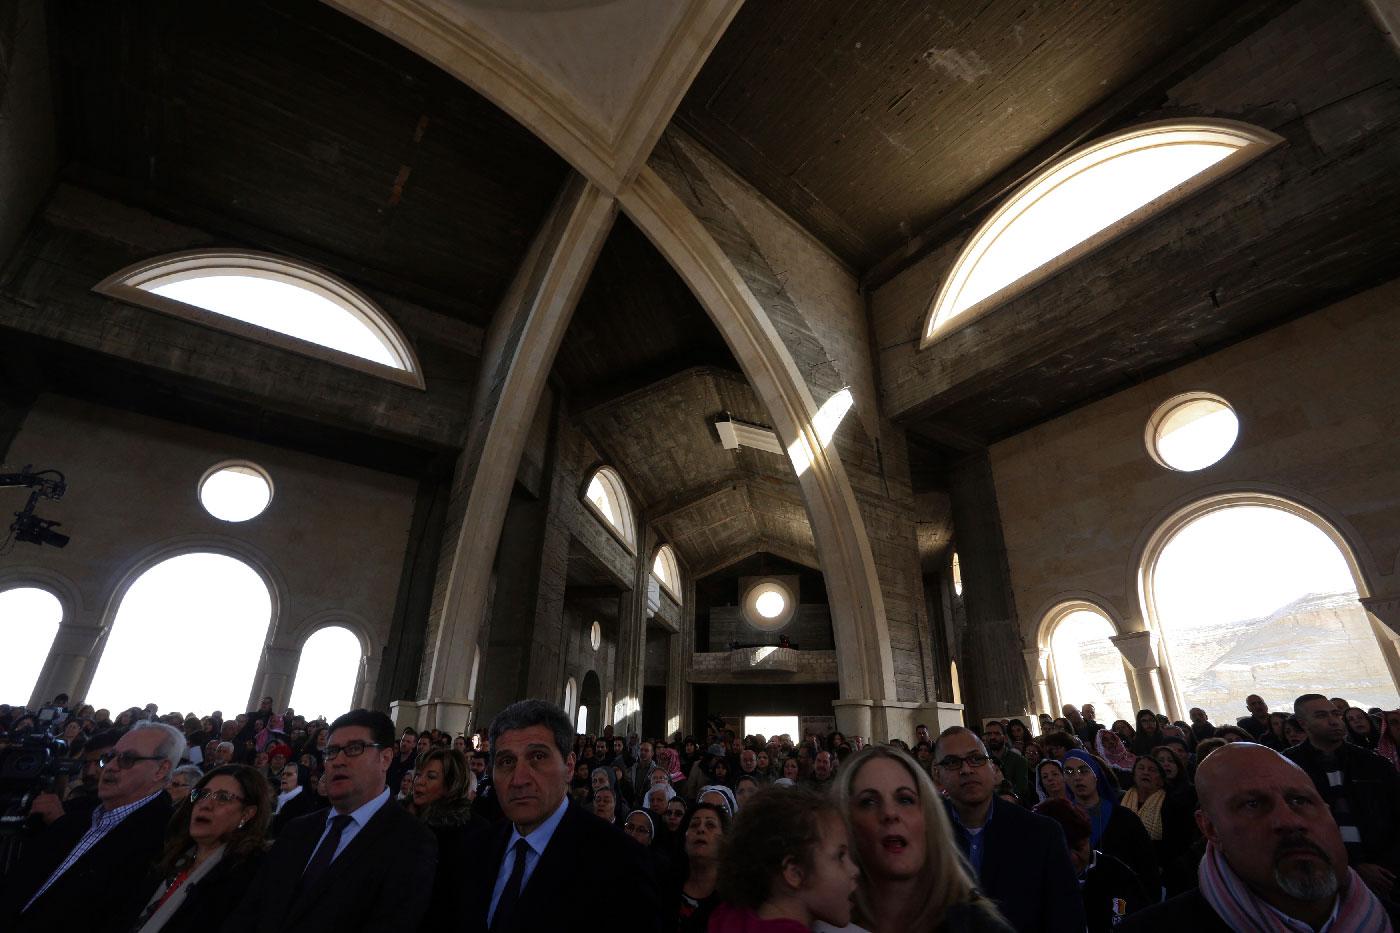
629 665
1044 699
70 664
279 669
993 684
1385 621
520 348
1150 691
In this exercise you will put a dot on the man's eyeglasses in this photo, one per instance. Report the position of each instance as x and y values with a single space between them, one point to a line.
955 762
126 759
218 796
351 749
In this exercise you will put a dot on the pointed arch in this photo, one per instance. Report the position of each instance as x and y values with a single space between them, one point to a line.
272 299
1084 201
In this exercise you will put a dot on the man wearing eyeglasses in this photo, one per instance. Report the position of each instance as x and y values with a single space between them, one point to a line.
85 872
364 864
1021 860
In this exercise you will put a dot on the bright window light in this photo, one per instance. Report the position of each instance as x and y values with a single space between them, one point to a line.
1256 599
665 570
29 619
1191 432
582 725
281 306
235 493
1070 207
769 726
824 423
211 604
608 498
957 575
274 299
1088 668
770 605
326 674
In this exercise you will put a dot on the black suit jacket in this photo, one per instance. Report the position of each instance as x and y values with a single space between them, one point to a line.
209 899
103 891
308 801
586 859
380 882
1026 870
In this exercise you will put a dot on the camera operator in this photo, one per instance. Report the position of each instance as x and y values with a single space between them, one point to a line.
81 798
84 872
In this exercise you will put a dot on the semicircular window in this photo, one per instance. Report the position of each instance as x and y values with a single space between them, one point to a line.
1082 202
274 300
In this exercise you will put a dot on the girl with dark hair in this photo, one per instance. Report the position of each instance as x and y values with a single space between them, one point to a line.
1017 734
212 851
1361 730
1149 733
786 865
1050 781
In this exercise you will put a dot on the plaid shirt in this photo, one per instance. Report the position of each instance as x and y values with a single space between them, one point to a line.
103 822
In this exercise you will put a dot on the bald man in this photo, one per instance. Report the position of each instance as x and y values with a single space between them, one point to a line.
1273 852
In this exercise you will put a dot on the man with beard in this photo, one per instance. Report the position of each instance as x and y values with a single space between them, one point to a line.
1013 766
1274 856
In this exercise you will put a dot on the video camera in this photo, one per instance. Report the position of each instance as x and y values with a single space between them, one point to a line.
27 770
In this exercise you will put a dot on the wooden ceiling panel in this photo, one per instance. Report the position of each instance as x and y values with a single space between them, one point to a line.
867 121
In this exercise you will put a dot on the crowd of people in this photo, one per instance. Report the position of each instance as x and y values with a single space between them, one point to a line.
265 821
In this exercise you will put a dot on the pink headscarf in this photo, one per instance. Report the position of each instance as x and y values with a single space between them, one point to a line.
670 760
1123 759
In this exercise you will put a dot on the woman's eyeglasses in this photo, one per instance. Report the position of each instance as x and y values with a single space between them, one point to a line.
218 796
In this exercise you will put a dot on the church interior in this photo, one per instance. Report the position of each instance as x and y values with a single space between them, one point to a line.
819 365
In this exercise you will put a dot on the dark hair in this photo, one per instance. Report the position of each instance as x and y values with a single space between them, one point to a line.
526 713
244 841
1154 763
1058 738
381 728
720 813
1071 819
776 824
1307 698
100 740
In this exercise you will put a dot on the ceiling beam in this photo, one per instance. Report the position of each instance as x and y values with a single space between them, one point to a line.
1151 83
689 498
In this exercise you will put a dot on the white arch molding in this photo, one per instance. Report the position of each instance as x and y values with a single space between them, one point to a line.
1335 526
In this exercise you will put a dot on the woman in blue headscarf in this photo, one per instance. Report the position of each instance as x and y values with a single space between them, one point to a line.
1114 830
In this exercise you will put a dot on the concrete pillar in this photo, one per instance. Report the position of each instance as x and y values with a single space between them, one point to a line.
993 683
278 670
70 664
1385 622
520 348
1043 696
629 664
1150 687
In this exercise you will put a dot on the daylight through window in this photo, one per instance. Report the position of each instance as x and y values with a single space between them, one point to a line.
1088 668
665 570
235 492
609 499
29 620
326 673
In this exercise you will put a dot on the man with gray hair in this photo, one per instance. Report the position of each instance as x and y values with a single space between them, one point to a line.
1274 858
549 855
86 872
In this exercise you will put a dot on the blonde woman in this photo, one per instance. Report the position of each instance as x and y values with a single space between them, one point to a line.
912 875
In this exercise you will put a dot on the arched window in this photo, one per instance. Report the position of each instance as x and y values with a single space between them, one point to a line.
1088 667
570 695
188 635
1082 202
29 620
608 499
326 673
272 299
953 678
666 572
957 574
1253 594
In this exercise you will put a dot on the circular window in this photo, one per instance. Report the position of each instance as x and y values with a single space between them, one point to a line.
1192 431
768 605
235 491
595 636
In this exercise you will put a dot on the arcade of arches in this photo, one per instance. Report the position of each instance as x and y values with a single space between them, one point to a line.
700 387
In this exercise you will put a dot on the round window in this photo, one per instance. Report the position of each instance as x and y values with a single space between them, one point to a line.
1192 431
595 636
236 491
768 605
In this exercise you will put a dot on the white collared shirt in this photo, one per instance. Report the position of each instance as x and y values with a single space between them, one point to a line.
537 841
358 819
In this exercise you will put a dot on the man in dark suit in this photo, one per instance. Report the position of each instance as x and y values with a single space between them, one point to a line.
1021 860
86 871
549 856
364 864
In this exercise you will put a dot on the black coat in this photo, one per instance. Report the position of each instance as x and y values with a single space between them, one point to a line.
1192 913
102 891
1111 890
210 899
304 803
1125 839
1026 870
1372 787
586 859
380 882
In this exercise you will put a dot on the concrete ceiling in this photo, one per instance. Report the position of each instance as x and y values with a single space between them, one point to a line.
868 121
290 126
714 506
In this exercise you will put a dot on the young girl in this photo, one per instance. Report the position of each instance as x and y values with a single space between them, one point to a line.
785 866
